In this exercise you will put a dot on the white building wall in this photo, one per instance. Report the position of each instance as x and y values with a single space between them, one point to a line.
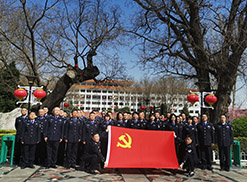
103 99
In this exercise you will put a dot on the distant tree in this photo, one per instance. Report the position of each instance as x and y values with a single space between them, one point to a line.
124 109
185 110
9 77
163 109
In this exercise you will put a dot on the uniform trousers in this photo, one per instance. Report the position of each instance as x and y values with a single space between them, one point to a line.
206 156
224 154
92 161
28 154
18 152
40 154
52 150
71 155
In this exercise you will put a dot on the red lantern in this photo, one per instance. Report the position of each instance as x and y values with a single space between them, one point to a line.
211 99
39 94
99 84
81 105
142 107
192 98
66 105
20 93
78 105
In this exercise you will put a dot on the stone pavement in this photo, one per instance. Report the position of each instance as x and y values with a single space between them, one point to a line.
40 174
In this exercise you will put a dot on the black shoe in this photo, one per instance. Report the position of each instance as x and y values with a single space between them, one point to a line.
54 166
209 168
221 169
90 171
31 166
190 174
227 170
73 166
23 167
80 169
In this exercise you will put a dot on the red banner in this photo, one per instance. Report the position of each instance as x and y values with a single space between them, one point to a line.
131 148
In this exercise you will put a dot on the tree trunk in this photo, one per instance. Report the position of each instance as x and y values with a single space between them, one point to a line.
223 94
64 84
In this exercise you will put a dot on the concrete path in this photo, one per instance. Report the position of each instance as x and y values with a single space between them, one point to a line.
40 174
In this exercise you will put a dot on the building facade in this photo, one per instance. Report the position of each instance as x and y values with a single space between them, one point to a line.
109 95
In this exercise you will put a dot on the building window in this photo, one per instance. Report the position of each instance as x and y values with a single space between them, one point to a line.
82 90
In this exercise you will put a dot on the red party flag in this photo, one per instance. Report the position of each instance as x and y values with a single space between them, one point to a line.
132 148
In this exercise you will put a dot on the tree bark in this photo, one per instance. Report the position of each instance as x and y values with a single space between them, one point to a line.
65 83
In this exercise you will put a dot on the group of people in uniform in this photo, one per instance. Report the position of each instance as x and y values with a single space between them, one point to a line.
68 140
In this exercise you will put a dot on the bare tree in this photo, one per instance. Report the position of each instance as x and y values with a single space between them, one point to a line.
200 39
45 38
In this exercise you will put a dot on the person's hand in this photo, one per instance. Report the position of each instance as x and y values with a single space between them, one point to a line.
60 140
174 135
66 141
196 144
37 142
107 129
84 142
45 139
181 165
22 142
105 164
79 140
212 144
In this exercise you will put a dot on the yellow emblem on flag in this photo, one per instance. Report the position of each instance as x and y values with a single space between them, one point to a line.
126 144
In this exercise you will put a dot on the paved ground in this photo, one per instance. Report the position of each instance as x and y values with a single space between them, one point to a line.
40 174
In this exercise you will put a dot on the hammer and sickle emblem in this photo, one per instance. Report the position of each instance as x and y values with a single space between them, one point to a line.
126 144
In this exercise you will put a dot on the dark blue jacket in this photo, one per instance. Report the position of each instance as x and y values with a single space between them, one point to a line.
18 125
191 130
73 131
42 124
55 128
30 132
91 128
224 135
205 134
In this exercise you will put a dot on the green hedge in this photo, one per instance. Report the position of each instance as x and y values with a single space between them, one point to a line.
239 126
243 143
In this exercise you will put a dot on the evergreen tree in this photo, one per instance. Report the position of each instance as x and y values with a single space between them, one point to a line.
185 110
8 77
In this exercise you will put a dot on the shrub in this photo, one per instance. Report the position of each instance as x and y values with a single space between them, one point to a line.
240 127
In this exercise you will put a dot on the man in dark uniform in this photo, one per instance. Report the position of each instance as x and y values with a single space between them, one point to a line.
190 157
93 156
104 133
62 146
40 154
134 123
142 120
152 125
72 136
91 126
206 141
80 147
53 136
30 136
125 118
46 110
224 139
18 125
